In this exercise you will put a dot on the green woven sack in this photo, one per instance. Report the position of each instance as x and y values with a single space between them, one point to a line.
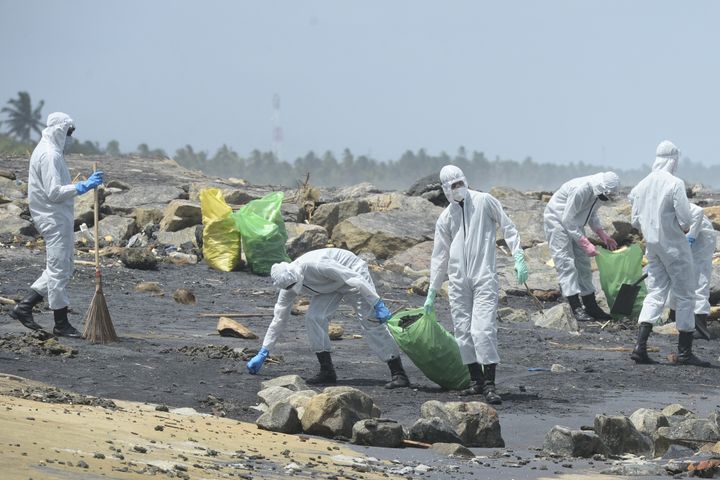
263 232
430 347
618 267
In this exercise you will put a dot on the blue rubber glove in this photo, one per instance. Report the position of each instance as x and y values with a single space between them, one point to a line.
381 312
255 363
520 267
691 240
95 180
430 301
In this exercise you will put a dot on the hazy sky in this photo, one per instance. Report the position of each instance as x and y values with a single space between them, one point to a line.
560 81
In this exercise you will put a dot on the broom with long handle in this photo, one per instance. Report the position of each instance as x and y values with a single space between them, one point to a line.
98 324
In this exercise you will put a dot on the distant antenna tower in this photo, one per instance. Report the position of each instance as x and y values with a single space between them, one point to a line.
277 135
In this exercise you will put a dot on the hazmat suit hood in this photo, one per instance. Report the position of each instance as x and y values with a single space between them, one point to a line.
605 183
55 133
285 274
666 157
449 175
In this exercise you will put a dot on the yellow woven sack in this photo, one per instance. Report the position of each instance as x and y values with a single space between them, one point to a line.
221 239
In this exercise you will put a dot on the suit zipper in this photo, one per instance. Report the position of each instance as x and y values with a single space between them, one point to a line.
590 212
462 208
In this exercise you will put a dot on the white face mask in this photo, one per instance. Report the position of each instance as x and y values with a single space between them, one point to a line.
458 194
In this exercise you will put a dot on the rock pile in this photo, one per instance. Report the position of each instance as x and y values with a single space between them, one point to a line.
672 440
347 413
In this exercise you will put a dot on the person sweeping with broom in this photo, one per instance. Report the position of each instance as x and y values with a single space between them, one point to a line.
51 195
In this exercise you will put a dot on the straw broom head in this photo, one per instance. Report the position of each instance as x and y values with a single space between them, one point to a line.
98 324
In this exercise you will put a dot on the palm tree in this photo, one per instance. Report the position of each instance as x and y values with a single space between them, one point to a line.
22 119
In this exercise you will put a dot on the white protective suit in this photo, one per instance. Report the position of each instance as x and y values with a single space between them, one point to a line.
702 253
660 209
51 196
464 247
330 275
571 207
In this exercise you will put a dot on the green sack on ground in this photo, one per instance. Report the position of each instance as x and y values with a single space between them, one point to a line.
430 347
618 267
263 232
221 240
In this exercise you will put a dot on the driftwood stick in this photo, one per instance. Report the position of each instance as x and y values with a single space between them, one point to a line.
416 444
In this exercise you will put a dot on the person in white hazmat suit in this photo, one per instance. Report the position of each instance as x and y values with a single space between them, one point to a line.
51 197
464 247
701 237
661 211
571 207
329 276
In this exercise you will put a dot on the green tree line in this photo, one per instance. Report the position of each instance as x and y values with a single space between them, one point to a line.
328 169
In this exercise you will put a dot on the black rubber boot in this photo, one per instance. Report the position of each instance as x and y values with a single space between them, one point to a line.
578 311
491 395
701 329
685 354
326 376
399 378
62 325
477 380
593 309
639 353
23 310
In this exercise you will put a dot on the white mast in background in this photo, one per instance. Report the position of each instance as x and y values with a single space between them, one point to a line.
277 135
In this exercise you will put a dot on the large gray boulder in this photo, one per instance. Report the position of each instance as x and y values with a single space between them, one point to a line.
329 215
452 450
11 222
271 395
300 399
127 202
335 411
476 423
384 234
648 422
433 430
280 417
414 261
429 188
117 227
378 433
559 317
525 211
291 382
565 442
620 436
181 237
692 433
180 214
303 238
